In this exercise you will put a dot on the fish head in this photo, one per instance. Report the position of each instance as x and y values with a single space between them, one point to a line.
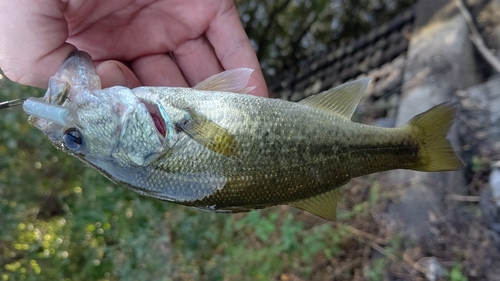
108 128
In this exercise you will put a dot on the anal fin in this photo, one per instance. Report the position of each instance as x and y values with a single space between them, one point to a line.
323 205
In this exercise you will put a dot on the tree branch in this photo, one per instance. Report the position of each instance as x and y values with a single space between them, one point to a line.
476 38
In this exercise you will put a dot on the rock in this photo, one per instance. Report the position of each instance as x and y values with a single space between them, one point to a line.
440 61
495 182
483 101
433 268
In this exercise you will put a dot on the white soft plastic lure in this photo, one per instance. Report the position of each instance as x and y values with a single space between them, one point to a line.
57 114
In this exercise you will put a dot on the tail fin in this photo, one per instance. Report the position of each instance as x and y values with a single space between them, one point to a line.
430 129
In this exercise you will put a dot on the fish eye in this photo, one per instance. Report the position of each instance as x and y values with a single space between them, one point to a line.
72 139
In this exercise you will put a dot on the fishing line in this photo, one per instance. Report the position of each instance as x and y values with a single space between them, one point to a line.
11 103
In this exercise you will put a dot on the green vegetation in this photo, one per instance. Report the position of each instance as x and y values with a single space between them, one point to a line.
456 274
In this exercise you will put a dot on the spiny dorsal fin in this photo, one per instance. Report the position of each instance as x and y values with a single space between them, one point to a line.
323 205
210 135
234 80
341 100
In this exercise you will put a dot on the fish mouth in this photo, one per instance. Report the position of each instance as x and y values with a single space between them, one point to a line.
53 109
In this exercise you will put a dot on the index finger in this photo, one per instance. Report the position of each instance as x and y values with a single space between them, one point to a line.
233 48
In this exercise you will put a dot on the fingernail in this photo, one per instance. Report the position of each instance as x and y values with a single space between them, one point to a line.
114 73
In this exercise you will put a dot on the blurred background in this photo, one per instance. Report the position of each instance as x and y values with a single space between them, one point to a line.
60 220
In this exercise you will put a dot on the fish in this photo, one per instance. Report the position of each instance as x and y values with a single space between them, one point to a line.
215 148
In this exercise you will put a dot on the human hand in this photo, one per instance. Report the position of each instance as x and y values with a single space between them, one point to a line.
132 42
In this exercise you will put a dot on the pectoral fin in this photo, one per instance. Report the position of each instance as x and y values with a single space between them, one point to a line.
341 100
209 134
234 80
323 205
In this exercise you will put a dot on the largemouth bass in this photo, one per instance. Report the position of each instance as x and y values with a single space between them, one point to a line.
213 148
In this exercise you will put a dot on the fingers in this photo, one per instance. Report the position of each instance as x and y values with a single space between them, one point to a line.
33 45
197 60
115 73
32 37
233 48
158 70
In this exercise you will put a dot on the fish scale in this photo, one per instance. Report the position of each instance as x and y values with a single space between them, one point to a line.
225 151
302 168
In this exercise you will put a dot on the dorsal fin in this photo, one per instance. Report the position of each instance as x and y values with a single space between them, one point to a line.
323 205
234 80
341 100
